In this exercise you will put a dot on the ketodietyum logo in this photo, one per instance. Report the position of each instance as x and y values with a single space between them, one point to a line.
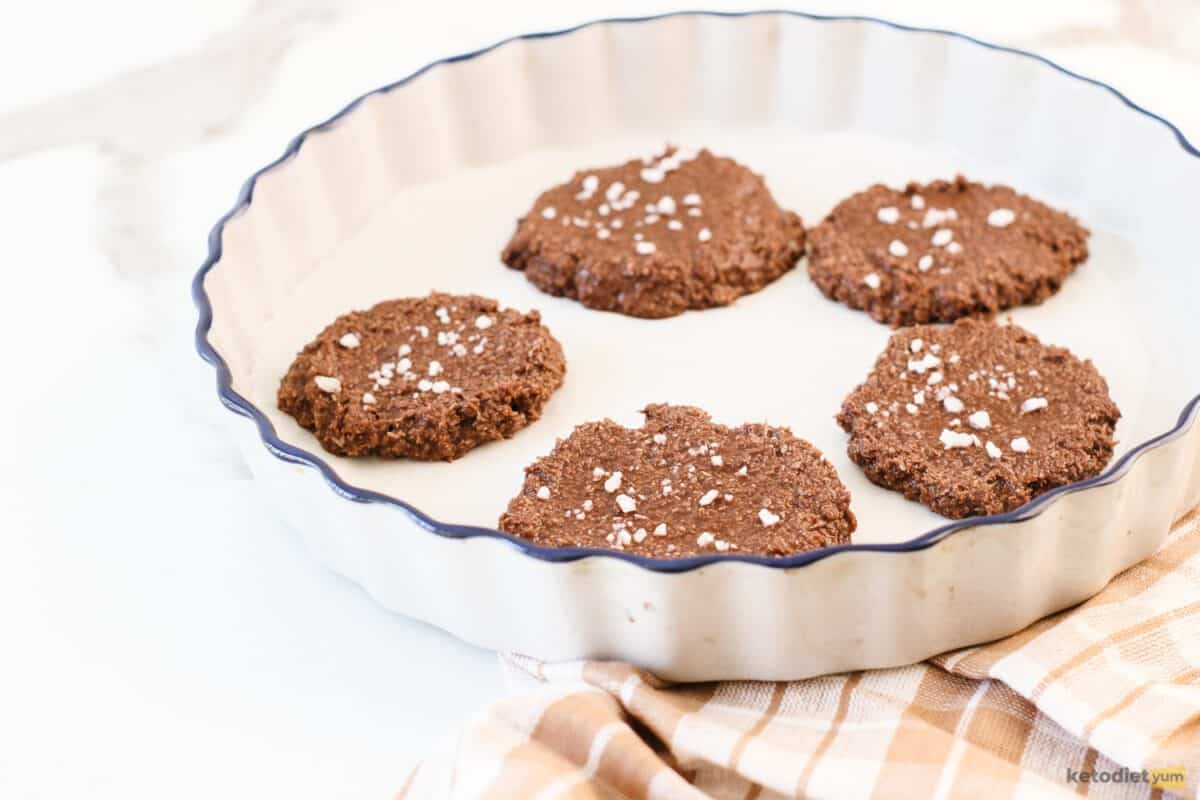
1161 778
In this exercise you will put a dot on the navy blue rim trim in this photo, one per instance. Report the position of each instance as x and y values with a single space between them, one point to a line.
289 453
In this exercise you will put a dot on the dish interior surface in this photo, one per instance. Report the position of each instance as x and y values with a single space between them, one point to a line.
785 355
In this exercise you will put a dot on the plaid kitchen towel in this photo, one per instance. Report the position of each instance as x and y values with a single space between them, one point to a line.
1100 700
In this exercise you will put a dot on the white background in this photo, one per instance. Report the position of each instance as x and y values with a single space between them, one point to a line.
163 634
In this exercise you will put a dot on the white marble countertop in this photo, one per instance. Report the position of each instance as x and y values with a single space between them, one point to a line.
167 636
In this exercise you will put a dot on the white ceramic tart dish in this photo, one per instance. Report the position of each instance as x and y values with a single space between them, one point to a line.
417 186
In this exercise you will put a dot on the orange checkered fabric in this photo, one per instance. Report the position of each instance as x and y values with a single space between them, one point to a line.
1102 699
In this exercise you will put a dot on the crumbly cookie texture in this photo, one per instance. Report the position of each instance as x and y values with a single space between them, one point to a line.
426 378
682 485
944 250
978 418
657 236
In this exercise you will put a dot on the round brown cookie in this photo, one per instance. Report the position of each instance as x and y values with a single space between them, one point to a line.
681 486
942 251
427 378
655 237
978 418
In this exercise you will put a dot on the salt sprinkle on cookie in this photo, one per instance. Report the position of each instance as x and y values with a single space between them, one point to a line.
1008 419
694 486
942 251
656 236
426 378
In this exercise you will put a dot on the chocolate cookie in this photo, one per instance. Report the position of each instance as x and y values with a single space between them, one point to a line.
942 251
427 378
978 418
680 486
657 236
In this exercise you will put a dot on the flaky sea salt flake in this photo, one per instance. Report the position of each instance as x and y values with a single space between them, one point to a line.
1001 217
328 384
767 518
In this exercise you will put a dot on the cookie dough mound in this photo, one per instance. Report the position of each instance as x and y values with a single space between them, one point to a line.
682 486
657 236
978 418
426 378
944 250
